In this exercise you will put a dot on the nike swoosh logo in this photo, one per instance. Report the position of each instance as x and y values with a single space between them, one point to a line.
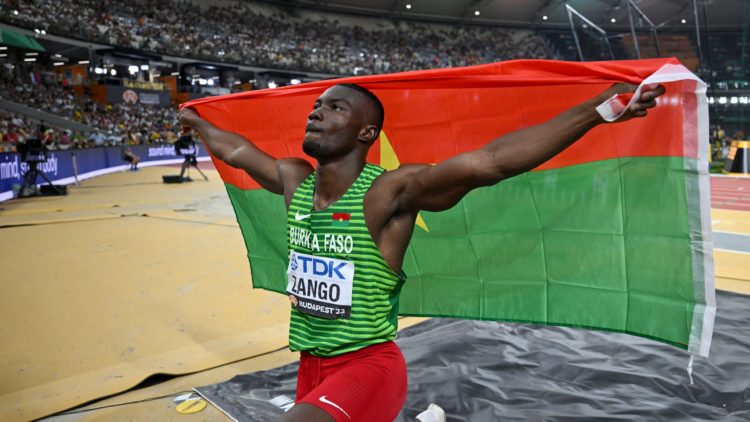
326 401
299 217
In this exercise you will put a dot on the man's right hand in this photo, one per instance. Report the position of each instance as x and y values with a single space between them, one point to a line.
188 117
277 176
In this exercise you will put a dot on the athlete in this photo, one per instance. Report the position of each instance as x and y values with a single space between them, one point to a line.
128 155
349 224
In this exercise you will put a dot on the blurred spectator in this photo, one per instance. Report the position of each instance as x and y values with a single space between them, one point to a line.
14 129
64 141
96 138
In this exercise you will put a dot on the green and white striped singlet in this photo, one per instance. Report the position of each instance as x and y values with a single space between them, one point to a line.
347 296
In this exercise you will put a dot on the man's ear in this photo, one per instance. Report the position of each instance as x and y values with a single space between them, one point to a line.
368 134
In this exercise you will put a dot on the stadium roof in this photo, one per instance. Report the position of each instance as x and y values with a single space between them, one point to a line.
668 14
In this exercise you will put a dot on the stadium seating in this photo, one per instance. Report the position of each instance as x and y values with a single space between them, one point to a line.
261 35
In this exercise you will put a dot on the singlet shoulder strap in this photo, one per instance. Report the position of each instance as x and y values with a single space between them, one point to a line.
303 193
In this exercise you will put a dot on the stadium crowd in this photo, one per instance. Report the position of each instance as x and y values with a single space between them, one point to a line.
240 33
31 85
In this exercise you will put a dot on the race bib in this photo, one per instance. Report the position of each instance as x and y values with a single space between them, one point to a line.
320 286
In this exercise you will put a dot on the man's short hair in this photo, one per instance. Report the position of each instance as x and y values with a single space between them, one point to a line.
374 100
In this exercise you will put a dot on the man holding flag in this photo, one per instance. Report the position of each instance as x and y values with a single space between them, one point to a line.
349 225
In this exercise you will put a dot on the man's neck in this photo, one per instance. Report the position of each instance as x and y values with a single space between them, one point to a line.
333 179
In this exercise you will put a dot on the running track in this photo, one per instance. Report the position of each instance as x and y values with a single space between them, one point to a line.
730 193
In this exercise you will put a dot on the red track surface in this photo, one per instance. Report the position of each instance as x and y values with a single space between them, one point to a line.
730 193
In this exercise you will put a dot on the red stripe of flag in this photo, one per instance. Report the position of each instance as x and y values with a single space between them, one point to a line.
340 216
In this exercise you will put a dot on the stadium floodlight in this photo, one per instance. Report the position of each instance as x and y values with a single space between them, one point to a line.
15 12
587 24
652 28
408 5
133 69
113 72
98 70
476 13
545 17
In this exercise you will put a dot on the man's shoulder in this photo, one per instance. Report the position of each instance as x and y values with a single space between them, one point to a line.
402 172
295 164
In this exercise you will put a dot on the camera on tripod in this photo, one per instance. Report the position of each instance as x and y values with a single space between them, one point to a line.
186 147
33 152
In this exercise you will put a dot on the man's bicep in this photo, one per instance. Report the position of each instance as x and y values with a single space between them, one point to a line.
440 186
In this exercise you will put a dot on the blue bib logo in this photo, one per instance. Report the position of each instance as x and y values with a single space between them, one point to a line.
293 262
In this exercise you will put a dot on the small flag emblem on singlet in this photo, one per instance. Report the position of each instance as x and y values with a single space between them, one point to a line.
340 219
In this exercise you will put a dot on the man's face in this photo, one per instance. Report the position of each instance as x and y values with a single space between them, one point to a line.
334 124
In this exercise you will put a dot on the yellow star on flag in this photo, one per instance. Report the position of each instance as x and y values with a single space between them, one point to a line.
389 161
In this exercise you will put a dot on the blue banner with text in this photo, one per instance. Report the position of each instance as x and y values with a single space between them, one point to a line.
62 166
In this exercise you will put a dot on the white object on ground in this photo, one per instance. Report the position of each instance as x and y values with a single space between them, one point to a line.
434 413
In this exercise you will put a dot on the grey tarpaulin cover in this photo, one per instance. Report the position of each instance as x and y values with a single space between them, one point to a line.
487 371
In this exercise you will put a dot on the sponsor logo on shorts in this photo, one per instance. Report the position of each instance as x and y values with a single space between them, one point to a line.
326 401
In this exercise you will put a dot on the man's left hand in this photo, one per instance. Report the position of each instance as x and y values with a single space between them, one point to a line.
639 107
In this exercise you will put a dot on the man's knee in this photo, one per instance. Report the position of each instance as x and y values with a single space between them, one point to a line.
304 412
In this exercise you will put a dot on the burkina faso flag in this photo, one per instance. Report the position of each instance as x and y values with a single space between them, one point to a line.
612 234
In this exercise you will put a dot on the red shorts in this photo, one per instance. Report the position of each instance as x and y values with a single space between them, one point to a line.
366 385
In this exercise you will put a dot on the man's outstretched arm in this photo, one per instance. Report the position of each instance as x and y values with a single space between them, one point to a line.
439 187
272 174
